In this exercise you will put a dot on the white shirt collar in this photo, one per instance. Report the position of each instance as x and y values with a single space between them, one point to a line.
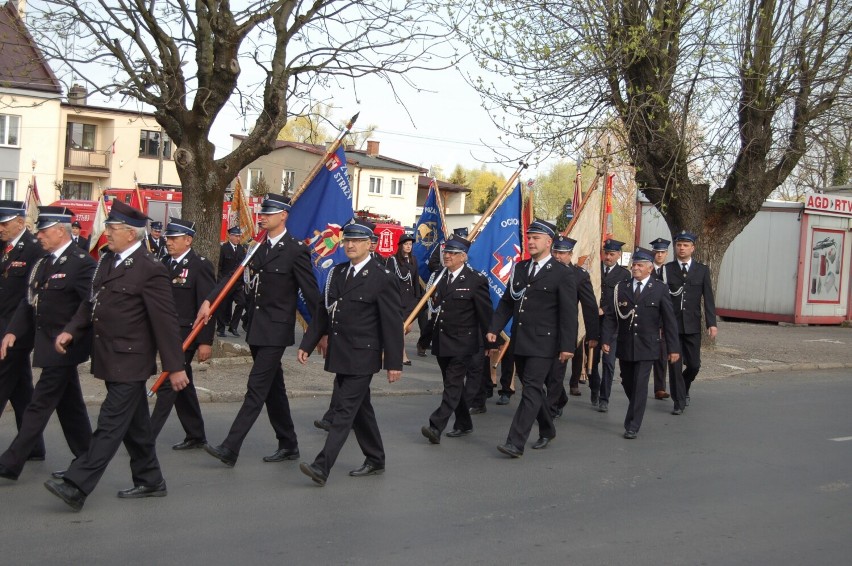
455 273
61 250
644 282
127 253
274 241
183 255
358 266
541 263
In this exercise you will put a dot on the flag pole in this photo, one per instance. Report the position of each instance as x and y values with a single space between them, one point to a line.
253 247
501 196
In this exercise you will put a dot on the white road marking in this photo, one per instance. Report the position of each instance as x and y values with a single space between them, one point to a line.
841 438
827 341
730 366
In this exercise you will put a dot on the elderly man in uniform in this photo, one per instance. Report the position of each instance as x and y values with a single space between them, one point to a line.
231 255
279 269
359 327
80 241
689 286
61 281
639 311
20 253
463 315
192 280
660 247
611 275
132 314
541 301
563 249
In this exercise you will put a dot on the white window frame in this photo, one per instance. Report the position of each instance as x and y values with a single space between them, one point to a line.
396 187
9 120
8 187
288 180
375 187
253 176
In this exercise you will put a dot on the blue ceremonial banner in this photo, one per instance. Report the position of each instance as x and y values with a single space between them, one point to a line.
318 216
428 232
498 247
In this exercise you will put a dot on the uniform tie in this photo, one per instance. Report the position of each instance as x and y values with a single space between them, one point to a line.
683 269
534 270
350 275
637 292
606 271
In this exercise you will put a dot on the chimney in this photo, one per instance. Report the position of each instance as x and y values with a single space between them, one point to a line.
77 94
372 148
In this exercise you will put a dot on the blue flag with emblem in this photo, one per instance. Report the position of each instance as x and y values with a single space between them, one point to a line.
428 232
497 248
318 216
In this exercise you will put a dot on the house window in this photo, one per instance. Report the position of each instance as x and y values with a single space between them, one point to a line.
7 188
288 178
81 136
396 187
76 190
254 177
149 144
375 186
9 128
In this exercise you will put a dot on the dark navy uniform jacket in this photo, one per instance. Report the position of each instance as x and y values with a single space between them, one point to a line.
465 315
687 303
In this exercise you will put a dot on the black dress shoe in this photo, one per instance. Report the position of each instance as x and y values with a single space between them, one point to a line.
224 455
140 491
541 443
595 398
367 469
7 473
67 492
421 352
234 332
687 404
557 414
221 334
603 407
629 434
457 432
677 411
406 363
189 444
477 410
431 433
510 450
58 474
282 454
503 400
35 458
322 424
313 472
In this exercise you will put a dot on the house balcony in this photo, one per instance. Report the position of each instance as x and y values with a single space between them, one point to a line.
93 163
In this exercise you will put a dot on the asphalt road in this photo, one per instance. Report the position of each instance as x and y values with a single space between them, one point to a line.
749 475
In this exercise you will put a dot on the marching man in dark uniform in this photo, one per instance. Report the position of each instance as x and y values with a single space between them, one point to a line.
640 309
60 281
21 251
611 275
191 281
231 255
132 314
81 241
541 300
156 242
563 249
358 326
689 285
279 269
660 247
463 315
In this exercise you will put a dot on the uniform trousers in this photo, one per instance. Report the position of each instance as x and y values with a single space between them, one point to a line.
604 378
690 348
634 380
507 372
660 366
578 362
533 373
265 386
123 418
426 331
185 403
555 387
58 389
16 387
224 316
352 411
454 370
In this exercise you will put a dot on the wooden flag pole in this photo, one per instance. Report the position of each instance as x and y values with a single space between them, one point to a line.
254 246
501 196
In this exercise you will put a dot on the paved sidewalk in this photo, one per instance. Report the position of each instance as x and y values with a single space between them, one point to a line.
741 348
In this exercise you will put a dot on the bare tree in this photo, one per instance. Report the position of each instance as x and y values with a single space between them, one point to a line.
188 60
713 93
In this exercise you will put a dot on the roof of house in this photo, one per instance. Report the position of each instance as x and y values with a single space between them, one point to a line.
22 64
423 182
356 157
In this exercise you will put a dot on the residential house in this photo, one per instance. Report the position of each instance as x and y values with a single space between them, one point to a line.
379 184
